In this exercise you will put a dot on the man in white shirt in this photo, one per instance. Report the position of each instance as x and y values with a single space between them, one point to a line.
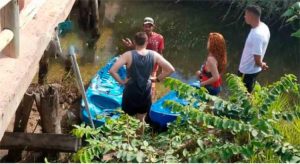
255 48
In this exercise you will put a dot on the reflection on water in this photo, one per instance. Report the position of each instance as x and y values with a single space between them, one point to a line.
185 27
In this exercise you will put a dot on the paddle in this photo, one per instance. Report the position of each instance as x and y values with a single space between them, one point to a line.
79 81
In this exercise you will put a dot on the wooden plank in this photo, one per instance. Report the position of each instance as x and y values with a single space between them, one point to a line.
17 74
5 37
30 11
40 141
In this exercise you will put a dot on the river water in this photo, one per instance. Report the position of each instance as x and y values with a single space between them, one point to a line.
185 27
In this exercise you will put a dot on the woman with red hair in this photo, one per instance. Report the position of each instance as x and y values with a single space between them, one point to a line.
215 65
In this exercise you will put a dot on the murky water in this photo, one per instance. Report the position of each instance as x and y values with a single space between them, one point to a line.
185 27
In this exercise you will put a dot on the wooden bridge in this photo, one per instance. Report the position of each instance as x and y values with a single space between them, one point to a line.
26 28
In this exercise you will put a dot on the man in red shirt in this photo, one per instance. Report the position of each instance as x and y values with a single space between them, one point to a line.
155 43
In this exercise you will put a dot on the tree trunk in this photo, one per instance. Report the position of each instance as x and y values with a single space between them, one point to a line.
91 19
43 68
95 5
50 110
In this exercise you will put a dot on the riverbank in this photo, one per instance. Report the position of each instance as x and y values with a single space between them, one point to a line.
185 26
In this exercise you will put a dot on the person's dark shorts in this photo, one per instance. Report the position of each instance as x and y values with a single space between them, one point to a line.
249 80
135 102
213 90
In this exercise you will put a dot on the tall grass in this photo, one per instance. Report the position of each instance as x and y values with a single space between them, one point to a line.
268 156
290 130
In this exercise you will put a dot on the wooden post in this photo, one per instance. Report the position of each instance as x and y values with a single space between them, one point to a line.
89 18
23 112
50 110
96 10
43 69
68 65
21 120
96 16
10 20
96 22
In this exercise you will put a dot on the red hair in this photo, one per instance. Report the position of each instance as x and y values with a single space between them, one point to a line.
217 49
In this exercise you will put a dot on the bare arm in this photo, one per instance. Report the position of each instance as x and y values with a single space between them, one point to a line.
118 64
128 43
260 63
211 64
166 66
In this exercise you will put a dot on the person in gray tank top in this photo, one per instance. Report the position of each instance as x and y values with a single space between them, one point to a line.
139 63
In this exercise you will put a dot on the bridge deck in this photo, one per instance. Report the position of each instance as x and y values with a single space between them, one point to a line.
16 74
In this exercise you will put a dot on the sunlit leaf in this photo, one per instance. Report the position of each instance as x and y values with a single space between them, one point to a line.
140 156
296 34
288 13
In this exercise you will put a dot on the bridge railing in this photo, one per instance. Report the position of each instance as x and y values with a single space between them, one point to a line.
9 28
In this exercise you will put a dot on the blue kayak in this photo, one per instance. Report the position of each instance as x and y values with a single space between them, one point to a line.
163 115
104 95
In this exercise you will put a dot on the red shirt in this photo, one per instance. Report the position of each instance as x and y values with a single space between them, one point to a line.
156 42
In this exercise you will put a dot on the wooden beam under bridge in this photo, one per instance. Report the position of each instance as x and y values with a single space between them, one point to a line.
40 141
16 74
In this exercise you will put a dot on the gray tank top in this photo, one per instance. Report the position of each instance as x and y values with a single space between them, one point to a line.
140 70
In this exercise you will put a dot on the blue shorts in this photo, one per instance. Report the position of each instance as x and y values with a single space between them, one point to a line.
213 90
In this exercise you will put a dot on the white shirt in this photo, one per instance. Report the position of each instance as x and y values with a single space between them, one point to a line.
256 44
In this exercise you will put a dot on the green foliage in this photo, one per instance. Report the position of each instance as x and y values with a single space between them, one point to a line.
240 96
286 84
117 136
271 10
293 16
208 129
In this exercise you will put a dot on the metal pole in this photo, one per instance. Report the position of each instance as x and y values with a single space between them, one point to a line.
16 27
79 82
58 44
57 39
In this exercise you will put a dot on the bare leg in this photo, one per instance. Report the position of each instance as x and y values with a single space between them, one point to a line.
141 117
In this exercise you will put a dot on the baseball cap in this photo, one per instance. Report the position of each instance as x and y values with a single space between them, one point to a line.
148 20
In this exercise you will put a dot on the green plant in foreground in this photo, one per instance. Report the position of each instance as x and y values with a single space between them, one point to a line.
208 129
